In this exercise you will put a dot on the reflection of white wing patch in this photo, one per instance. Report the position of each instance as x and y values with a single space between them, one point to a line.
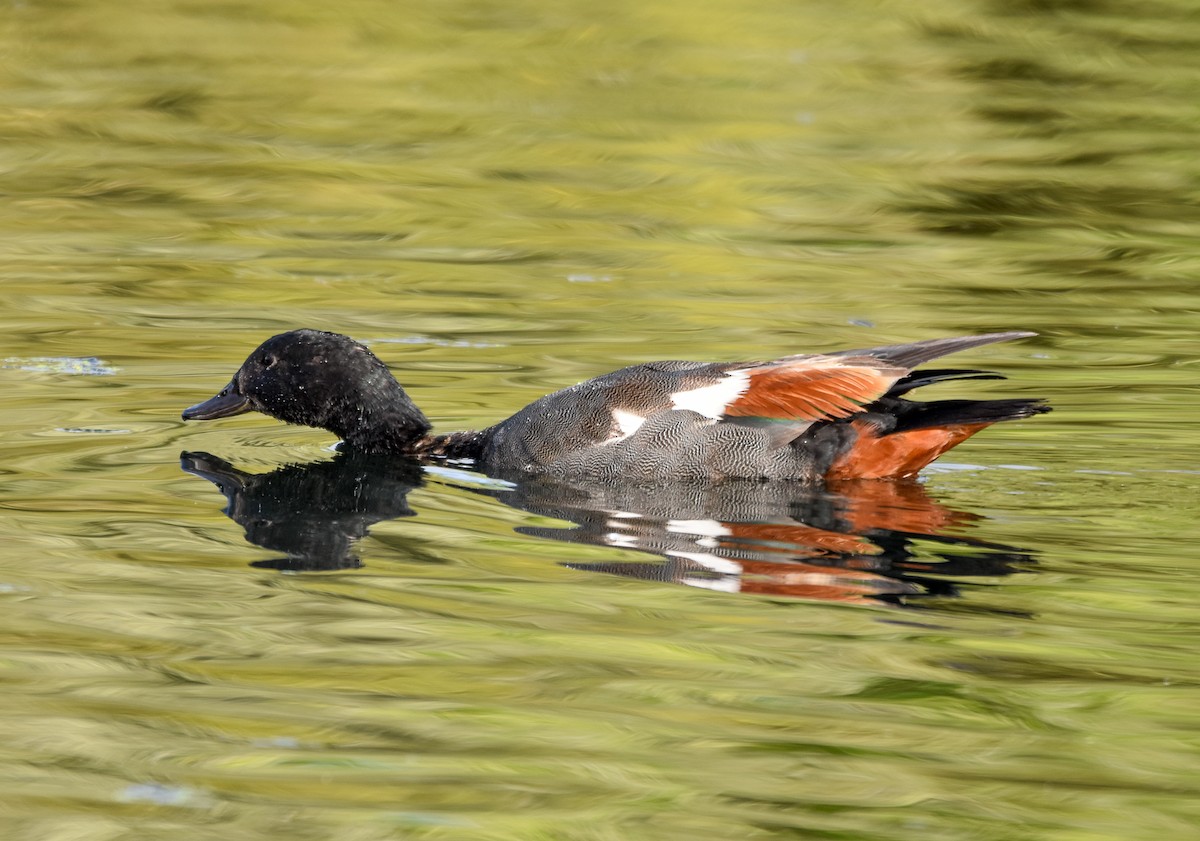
706 532
624 425
711 400
728 577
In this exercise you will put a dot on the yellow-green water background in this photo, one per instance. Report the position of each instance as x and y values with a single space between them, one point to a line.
512 196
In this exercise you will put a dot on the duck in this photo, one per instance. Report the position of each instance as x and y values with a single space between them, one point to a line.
816 417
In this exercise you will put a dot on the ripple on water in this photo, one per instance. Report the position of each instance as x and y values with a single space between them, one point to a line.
88 366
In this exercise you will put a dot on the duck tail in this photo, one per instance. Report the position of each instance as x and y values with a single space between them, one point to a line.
939 414
914 434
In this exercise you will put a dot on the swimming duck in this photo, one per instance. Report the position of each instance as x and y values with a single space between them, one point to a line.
811 417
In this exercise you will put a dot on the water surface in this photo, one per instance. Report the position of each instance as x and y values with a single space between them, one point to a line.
504 199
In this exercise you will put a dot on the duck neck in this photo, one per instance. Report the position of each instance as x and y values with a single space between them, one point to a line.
454 445
381 419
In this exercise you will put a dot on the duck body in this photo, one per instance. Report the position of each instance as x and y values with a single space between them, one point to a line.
809 417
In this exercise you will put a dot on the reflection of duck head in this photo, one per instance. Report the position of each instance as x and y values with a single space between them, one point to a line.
314 513
858 541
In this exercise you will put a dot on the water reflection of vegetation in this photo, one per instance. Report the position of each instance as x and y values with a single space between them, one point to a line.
628 181
856 542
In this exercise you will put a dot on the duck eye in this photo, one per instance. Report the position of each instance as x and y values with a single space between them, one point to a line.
268 360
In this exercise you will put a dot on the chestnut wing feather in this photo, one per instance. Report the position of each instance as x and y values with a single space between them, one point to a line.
814 387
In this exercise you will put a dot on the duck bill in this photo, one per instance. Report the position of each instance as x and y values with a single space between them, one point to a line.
226 403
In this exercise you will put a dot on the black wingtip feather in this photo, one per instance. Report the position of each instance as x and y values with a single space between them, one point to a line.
929 376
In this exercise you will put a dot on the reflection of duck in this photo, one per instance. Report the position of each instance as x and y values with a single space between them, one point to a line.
822 416
853 541
858 541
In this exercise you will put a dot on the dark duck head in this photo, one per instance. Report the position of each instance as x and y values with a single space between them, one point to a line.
326 380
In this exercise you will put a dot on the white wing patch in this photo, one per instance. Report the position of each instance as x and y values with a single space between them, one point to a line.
625 424
711 400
